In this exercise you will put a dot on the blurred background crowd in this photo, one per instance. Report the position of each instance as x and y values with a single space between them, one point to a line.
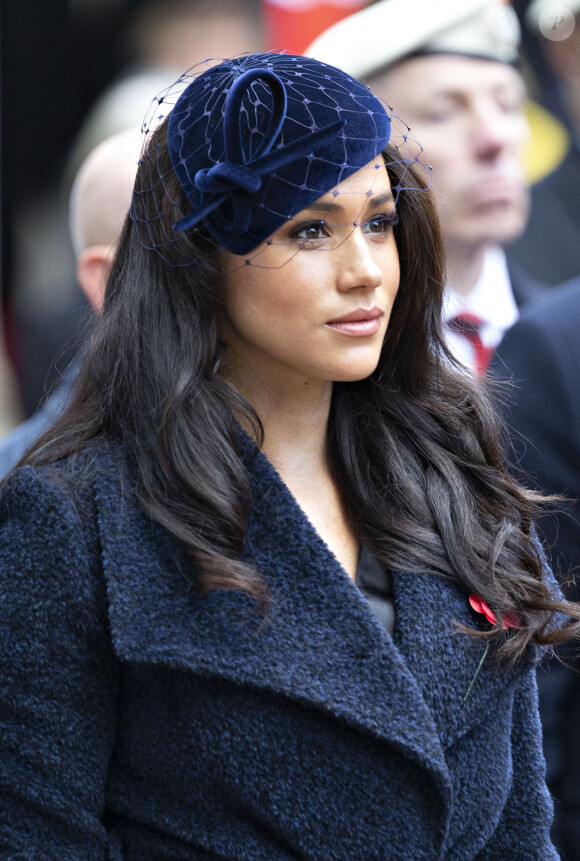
491 91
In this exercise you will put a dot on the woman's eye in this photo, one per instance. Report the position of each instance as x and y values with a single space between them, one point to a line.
381 223
310 231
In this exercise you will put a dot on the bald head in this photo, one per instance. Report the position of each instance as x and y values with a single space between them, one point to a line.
101 193
99 202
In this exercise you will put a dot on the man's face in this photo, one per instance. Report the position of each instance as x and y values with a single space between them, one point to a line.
467 115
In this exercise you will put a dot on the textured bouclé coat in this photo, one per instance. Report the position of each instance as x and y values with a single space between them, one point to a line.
141 721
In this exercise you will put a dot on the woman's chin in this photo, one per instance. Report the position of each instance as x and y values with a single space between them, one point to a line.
355 373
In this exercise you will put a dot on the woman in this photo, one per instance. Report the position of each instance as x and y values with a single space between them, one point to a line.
267 420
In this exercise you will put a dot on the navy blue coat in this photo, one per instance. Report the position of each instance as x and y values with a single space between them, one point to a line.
143 721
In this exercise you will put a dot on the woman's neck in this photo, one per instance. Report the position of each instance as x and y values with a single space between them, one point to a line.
295 416
295 425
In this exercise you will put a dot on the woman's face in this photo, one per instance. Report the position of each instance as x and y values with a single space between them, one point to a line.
314 305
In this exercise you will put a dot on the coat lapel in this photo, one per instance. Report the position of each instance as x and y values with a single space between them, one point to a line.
443 660
319 643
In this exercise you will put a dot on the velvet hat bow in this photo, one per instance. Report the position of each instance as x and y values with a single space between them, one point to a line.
255 140
234 176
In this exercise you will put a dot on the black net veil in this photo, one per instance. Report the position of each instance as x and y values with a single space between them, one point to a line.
235 150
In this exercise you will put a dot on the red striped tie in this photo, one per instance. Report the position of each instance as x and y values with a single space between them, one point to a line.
470 325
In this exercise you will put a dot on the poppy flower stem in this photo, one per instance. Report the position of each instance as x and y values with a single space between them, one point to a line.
475 675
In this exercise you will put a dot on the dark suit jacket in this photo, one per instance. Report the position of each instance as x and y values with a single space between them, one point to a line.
549 247
541 353
141 720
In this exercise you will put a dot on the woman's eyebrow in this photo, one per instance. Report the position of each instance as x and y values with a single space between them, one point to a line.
328 206
381 199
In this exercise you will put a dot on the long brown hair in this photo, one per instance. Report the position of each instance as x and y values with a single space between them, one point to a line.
414 448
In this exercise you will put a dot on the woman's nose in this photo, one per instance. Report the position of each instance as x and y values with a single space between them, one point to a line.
357 264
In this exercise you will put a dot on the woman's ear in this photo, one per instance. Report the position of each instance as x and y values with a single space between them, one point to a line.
93 268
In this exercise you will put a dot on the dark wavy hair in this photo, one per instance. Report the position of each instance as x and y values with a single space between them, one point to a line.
414 448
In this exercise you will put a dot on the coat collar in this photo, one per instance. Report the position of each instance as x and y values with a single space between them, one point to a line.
319 644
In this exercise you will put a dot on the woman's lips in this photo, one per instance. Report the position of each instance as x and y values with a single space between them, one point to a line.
360 323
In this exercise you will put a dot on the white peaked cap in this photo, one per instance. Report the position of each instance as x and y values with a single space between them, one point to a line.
390 30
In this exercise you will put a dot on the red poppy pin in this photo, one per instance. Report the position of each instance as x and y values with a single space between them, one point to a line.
510 620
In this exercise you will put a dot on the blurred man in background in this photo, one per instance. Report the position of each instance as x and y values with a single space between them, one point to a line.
100 199
449 71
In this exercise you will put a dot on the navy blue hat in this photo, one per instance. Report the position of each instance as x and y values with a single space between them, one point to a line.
256 139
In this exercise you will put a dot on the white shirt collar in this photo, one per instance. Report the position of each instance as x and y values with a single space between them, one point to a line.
491 299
